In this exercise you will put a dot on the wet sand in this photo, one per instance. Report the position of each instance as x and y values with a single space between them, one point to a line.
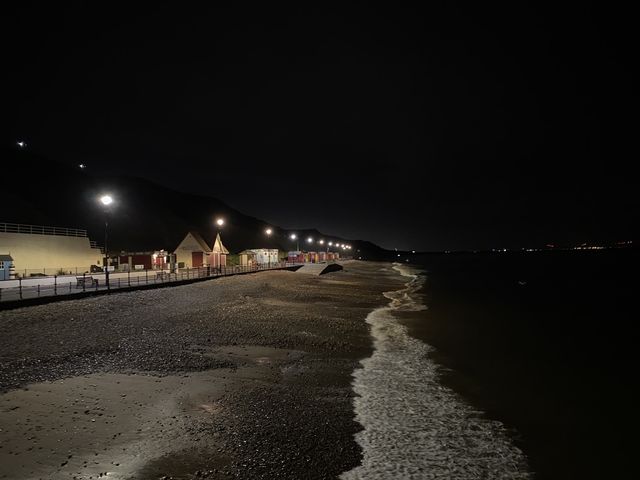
241 377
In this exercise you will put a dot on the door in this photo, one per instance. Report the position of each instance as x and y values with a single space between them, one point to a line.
196 259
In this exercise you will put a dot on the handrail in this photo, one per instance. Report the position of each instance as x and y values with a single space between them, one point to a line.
42 230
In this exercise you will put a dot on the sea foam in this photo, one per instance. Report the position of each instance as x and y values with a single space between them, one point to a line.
414 427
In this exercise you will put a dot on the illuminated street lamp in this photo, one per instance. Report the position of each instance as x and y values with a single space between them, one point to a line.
268 232
309 239
220 222
106 201
293 236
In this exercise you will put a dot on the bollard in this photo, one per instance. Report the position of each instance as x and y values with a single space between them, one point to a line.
128 277
20 287
55 285
38 290
84 282
69 287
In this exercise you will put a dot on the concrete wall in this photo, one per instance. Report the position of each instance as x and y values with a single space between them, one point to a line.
35 253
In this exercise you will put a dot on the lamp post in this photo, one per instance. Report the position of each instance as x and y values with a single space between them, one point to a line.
293 236
268 232
219 223
106 200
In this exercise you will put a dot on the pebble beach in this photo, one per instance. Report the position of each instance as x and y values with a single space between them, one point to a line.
237 377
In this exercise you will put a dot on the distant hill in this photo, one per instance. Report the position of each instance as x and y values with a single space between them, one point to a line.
145 216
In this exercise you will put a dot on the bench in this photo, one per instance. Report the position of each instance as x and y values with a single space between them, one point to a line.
86 282
166 275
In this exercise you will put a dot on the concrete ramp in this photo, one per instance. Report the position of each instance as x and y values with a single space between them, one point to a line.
319 268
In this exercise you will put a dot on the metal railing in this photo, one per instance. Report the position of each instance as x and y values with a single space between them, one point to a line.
41 230
35 287
47 272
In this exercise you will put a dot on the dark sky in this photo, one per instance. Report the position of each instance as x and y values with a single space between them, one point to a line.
442 128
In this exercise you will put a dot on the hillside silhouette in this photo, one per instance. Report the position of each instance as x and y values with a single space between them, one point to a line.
145 216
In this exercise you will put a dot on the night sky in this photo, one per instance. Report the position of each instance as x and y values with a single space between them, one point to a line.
443 128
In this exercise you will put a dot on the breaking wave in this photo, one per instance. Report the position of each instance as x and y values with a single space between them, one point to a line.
414 427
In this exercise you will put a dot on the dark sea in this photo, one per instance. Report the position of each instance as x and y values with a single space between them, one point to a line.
545 344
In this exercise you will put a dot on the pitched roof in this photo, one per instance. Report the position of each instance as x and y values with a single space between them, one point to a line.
6 258
218 247
200 241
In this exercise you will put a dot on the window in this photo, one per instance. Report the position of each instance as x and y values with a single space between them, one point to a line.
1 264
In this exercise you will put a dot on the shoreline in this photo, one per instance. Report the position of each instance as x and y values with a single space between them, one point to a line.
420 426
243 377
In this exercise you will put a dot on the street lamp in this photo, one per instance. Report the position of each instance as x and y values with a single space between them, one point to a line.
268 231
106 200
293 236
220 222
309 239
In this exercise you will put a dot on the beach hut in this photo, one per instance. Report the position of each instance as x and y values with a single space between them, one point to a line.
295 256
322 256
265 256
247 258
313 257
218 255
6 267
193 251
157 260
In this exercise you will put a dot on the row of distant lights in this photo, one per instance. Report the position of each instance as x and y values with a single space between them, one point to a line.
107 200
293 236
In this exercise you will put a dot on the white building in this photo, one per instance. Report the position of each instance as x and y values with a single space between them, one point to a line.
265 256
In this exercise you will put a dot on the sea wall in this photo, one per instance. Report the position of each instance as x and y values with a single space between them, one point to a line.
35 253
